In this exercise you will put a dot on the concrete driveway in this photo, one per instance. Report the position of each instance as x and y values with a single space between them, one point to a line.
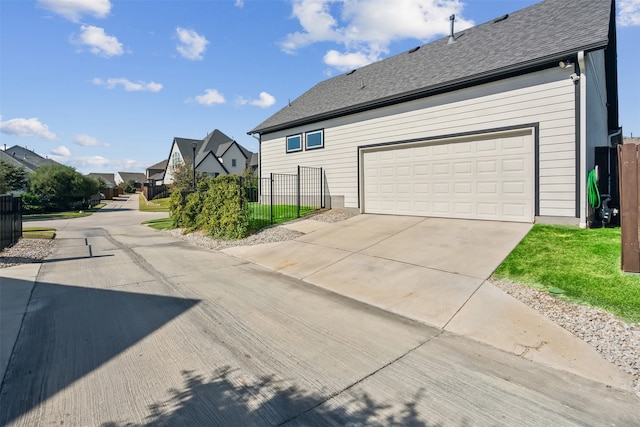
435 271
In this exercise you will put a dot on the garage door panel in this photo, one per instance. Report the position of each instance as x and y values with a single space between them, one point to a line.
483 179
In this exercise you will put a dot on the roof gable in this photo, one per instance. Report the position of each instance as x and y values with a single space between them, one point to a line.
204 156
159 166
133 176
537 35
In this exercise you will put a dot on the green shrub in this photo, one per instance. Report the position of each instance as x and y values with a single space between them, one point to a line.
177 200
219 207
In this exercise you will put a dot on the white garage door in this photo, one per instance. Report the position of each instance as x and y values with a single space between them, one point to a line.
483 177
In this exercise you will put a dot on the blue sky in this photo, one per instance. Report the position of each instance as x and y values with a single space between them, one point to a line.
105 85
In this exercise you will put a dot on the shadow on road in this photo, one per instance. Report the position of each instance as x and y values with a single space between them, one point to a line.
70 331
228 398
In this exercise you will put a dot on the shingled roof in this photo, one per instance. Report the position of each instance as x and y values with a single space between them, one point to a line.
216 143
20 156
529 38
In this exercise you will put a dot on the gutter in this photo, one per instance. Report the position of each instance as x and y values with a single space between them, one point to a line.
613 135
583 139
548 61
259 139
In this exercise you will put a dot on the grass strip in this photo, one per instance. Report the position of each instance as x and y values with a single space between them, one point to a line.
582 263
64 214
155 205
38 233
160 223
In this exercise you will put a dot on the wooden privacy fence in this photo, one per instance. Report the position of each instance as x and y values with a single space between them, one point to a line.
629 206
10 220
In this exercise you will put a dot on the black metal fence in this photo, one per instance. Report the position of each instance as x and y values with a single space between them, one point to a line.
281 197
10 220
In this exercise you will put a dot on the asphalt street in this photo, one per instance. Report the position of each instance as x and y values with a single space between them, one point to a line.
127 326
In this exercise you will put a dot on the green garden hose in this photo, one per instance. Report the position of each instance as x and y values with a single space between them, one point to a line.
592 190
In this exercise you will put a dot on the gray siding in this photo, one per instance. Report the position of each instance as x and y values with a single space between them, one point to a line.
546 97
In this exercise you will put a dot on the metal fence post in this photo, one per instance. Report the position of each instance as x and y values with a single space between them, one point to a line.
298 192
271 195
321 188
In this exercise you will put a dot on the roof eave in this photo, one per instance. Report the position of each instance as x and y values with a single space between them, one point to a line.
529 66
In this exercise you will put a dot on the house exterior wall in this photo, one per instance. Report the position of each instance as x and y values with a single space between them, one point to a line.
210 166
597 126
174 160
118 179
241 162
546 97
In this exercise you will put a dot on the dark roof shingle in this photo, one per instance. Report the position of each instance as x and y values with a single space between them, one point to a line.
541 33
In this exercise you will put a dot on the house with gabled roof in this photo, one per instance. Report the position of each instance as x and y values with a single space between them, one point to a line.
23 157
124 177
108 178
216 154
501 121
155 173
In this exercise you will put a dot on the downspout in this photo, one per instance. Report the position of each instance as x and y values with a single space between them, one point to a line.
613 135
583 139
259 139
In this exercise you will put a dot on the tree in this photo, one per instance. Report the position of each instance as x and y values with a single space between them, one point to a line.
183 176
12 178
62 187
128 187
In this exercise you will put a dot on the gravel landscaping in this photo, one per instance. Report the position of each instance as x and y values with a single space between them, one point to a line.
617 341
26 251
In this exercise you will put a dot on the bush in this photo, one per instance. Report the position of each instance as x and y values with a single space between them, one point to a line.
218 207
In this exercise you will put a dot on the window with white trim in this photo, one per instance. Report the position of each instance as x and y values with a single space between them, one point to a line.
314 139
294 143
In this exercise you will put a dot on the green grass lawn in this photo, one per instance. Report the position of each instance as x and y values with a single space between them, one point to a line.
281 213
156 205
160 223
38 233
63 215
584 264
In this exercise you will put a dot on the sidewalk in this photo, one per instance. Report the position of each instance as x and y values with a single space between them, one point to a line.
16 284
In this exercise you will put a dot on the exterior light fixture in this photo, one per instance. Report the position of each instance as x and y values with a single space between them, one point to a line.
565 63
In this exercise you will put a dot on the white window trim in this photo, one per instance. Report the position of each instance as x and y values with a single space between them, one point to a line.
315 147
298 135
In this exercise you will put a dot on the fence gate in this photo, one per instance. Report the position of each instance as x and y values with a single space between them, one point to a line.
10 220
629 206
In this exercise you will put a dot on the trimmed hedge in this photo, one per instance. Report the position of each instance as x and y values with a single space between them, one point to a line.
219 207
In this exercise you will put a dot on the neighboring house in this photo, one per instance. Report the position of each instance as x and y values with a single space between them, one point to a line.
28 159
216 154
155 173
124 177
108 178
499 121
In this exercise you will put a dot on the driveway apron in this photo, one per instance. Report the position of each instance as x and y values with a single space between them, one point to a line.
435 271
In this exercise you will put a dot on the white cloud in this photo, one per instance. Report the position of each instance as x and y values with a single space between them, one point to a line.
27 127
61 151
99 42
629 12
366 28
128 85
191 44
265 100
210 97
88 141
347 61
74 9
239 3
87 164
